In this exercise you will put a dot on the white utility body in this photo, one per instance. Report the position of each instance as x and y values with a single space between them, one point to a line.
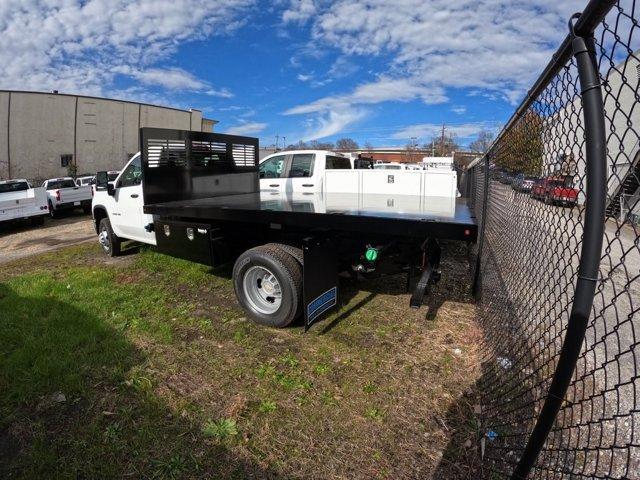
19 200
313 171
63 193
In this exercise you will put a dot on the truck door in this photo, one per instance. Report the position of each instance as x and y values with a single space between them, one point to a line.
272 172
128 215
300 174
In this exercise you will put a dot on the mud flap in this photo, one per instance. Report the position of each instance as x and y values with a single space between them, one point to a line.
320 279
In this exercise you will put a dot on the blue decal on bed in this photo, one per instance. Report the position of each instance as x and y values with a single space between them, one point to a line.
322 303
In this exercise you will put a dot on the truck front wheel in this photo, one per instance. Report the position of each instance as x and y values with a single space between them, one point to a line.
268 285
109 242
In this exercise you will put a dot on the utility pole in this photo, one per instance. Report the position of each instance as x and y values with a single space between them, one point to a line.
442 141
413 148
433 148
284 142
277 140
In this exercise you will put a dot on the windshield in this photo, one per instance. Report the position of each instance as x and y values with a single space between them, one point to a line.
56 184
13 187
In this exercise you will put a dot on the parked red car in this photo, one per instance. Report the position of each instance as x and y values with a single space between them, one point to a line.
556 191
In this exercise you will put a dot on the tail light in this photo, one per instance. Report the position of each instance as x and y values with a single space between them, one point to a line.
58 195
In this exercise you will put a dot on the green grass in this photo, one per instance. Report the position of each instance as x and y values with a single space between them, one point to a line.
163 377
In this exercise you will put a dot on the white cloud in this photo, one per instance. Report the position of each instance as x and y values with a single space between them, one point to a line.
459 109
426 131
369 93
299 11
81 45
304 78
250 128
427 48
333 122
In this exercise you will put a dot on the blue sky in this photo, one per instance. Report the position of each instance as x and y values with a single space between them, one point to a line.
376 71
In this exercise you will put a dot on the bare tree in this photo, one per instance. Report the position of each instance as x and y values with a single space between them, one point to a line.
347 144
483 142
443 145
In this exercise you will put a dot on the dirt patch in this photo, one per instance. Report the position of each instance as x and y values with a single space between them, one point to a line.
19 240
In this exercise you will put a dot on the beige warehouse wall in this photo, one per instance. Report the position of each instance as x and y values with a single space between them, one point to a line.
41 129
164 118
107 134
196 120
4 146
101 134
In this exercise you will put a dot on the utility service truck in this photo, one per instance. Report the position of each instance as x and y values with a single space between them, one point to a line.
306 171
20 201
196 196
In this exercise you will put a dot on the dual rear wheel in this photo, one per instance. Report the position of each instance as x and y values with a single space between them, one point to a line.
268 284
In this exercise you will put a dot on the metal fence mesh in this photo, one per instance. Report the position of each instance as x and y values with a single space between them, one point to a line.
529 263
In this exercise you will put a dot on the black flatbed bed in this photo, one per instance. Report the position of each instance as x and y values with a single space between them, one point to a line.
406 215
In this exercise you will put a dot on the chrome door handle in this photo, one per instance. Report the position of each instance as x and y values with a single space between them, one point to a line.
274 185
307 184
134 195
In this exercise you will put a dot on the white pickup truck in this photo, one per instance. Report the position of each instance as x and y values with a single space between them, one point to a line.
300 171
19 200
64 194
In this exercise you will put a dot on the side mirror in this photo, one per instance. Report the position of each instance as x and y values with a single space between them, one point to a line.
102 183
102 180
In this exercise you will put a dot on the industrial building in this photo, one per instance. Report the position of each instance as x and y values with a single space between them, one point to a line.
42 134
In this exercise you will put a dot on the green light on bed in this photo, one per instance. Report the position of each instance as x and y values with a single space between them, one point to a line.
371 254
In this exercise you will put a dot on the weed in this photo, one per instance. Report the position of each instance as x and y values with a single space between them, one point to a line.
267 406
374 414
172 467
220 429
321 368
265 371
290 360
369 387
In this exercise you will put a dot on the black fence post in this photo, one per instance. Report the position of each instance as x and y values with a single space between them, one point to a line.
475 288
595 141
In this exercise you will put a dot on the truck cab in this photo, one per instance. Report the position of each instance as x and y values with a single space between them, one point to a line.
121 202
299 170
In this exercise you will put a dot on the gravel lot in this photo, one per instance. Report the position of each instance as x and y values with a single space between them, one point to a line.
19 240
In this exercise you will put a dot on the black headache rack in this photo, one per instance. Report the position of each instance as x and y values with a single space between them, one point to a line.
186 165
203 190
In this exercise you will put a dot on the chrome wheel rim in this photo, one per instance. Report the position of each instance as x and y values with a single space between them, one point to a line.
262 290
103 238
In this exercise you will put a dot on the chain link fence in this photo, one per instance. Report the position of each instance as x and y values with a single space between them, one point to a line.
529 194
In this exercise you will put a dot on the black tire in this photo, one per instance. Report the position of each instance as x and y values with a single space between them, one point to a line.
52 212
112 244
37 221
288 273
295 252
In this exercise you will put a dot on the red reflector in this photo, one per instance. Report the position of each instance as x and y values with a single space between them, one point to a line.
467 232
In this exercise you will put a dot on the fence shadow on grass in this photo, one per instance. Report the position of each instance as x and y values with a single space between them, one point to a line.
75 402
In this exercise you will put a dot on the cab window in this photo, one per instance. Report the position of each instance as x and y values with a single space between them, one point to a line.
273 167
132 174
338 163
302 165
